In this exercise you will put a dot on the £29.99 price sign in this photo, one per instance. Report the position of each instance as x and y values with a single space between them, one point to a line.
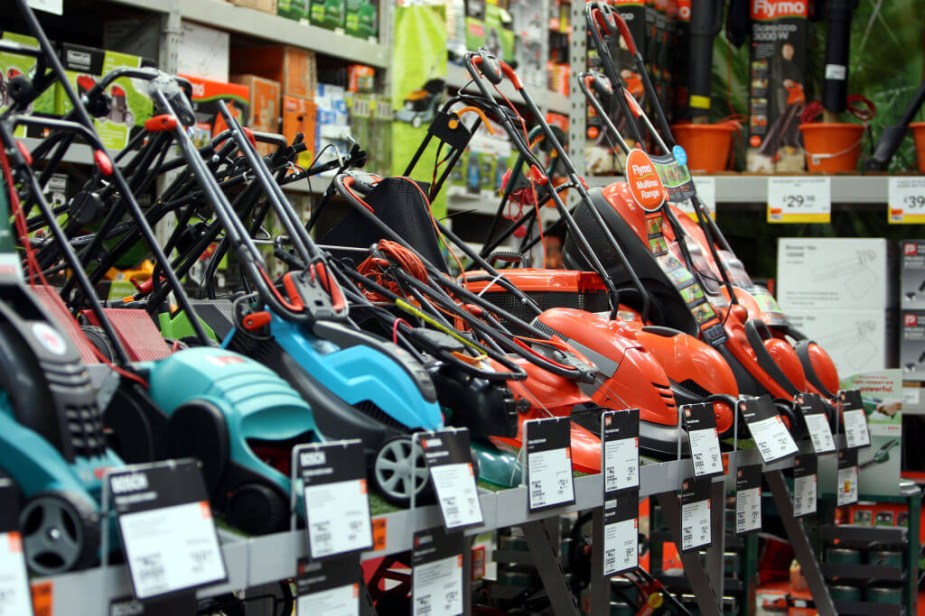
799 200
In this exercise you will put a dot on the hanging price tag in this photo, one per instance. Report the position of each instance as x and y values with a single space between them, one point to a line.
437 573
55 7
805 478
700 424
846 488
817 423
771 436
854 418
621 532
549 463
620 449
748 499
449 460
336 499
906 199
695 513
330 587
799 200
166 526
15 597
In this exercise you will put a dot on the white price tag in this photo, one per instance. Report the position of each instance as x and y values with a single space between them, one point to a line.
906 198
804 495
748 510
15 598
772 439
705 452
338 517
55 7
550 475
847 488
438 587
458 496
621 546
695 524
340 601
817 424
856 432
621 464
799 199
171 549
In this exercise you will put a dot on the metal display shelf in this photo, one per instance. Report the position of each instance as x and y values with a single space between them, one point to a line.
217 13
254 561
547 100
860 189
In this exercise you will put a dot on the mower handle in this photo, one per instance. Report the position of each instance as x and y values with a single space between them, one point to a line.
493 69
606 17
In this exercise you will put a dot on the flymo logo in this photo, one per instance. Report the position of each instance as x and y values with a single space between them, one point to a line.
776 9
199 89
646 187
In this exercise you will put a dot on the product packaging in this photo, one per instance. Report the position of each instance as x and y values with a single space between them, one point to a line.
293 67
362 19
206 94
293 9
779 78
329 14
204 52
912 345
360 78
912 274
858 341
263 115
499 32
13 65
299 116
475 24
265 6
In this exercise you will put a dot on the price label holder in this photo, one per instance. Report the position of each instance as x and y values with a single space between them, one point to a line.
621 532
805 488
549 463
695 513
846 489
906 199
620 450
15 596
855 418
449 460
336 497
771 436
796 199
700 424
437 573
167 531
748 499
330 587
817 422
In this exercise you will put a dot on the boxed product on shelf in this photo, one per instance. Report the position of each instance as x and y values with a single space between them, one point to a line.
204 52
333 118
380 146
360 78
779 75
327 14
130 106
858 340
499 33
912 345
299 116
13 65
293 67
528 52
263 114
206 94
839 273
267 6
912 274
362 18
293 9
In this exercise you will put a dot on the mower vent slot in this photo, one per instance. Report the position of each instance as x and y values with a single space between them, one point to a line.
665 392
85 426
692 386
371 410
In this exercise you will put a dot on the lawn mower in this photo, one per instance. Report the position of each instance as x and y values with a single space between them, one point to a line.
421 105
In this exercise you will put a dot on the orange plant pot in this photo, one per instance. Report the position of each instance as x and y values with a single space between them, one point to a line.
707 145
918 133
832 147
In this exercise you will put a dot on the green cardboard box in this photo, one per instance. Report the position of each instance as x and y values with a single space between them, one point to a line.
293 9
131 107
328 14
362 18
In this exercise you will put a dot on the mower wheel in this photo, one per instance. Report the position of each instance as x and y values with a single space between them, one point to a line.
61 533
256 509
400 470
416 121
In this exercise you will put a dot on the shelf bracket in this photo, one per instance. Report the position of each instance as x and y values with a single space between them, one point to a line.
543 544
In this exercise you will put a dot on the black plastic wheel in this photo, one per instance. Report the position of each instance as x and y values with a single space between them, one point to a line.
60 532
257 509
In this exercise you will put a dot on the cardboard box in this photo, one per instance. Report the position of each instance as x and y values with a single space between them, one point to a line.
360 78
299 115
826 273
13 65
293 9
362 18
131 107
912 274
475 24
329 14
912 345
263 114
780 73
265 6
206 94
294 68
857 340
204 52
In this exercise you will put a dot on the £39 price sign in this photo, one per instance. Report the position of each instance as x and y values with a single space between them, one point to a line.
906 198
799 200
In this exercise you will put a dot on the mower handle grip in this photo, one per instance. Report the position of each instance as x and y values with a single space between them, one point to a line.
493 69
609 20
101 158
